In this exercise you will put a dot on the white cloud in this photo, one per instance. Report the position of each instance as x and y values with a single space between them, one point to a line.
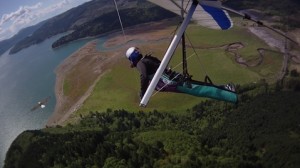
26 16
23 10
53 8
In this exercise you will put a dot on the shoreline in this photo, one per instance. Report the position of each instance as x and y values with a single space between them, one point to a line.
60 72
66 104
99 62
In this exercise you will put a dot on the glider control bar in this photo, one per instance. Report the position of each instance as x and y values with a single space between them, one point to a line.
168 54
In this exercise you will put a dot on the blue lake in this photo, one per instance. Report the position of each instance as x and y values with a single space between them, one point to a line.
26 78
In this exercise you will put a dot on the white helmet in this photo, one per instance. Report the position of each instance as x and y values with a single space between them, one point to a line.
133 54
130 51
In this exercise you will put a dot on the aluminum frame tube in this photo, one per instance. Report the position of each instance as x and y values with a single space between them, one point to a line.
168 55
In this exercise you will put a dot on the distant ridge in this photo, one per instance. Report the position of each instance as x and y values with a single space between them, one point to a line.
90 19
8 43
85 20
109 22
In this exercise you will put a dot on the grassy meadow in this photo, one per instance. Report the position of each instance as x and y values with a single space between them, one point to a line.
119 86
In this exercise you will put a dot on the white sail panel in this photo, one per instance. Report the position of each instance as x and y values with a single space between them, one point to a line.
207 13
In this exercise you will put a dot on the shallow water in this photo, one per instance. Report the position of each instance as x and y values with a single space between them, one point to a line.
26 78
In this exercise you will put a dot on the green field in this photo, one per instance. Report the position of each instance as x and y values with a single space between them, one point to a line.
119 87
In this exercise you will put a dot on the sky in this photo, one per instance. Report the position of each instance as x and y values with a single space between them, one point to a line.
18 14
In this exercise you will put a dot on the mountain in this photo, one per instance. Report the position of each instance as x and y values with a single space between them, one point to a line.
26 32
109 22
63 22
94 18
91 18
271 8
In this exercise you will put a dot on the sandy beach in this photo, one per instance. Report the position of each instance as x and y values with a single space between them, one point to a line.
64 108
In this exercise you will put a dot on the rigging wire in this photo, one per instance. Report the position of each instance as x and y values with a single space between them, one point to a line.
201 65
183 10
184 63
124 36
178 25
120 20
174 76
195 53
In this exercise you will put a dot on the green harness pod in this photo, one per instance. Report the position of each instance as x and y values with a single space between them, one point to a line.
209 91
200 89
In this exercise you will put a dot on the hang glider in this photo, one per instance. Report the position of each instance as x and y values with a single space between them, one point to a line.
211 14
41 104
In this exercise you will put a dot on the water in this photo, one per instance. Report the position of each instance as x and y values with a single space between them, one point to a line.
26 78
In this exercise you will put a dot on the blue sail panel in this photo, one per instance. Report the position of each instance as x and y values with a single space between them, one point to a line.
217 18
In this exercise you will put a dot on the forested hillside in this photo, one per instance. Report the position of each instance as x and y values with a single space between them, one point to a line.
8 43
85 21
262 131
277 7
110 22
285 12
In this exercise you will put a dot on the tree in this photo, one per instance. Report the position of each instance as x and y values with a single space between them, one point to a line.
294 73
114 162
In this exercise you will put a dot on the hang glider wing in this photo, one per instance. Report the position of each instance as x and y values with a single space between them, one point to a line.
208 13
41 104
35 107
211 14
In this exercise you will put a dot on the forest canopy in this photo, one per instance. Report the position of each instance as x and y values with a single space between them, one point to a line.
262 131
